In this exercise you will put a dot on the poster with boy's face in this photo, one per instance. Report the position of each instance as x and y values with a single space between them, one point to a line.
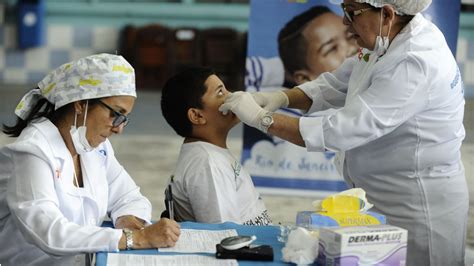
291 42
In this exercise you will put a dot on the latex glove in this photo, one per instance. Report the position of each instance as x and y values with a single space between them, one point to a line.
243 105
271 101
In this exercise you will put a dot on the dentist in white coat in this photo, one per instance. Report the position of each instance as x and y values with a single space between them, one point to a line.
399 111
60 179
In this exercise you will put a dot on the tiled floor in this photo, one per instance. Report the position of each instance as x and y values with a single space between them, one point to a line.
149 148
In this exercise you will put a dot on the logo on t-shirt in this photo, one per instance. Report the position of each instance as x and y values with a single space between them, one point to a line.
236 167
262 219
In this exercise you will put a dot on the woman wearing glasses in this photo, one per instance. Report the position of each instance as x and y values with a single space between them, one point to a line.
60 178
398 120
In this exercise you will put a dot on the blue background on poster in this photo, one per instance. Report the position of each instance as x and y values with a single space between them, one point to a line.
268 17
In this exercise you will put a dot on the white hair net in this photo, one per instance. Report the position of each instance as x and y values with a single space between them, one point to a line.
91 77
402 7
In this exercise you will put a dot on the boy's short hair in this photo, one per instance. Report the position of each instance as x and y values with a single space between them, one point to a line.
292 44
182 92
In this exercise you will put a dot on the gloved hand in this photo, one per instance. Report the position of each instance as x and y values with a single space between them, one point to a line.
243 105
271 101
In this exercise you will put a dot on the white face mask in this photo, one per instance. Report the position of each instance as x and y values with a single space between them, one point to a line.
78 135
382 43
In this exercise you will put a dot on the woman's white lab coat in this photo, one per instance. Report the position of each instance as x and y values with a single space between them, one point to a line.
44 218
400 126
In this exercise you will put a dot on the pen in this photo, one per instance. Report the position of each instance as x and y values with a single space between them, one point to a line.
170 200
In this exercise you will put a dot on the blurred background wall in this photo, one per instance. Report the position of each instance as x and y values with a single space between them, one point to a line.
155 36
74 28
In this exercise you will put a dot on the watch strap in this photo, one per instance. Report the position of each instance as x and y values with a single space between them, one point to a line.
129 238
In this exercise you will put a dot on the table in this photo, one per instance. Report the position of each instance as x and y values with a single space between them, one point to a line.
265 235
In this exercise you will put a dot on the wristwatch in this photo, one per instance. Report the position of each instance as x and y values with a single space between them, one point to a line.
129 237
266 122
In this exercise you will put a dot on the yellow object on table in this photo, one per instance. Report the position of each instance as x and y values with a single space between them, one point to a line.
341 204
347 208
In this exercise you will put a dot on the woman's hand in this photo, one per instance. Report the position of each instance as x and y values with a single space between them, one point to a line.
130 222
243 105
164 233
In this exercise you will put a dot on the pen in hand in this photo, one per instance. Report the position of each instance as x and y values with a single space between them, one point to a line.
169 199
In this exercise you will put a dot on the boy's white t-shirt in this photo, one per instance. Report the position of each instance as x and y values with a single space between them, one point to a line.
210 186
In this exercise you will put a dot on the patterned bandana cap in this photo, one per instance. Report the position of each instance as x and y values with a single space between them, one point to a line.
95 76
402 7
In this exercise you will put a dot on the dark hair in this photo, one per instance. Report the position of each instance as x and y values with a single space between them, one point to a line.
292 44
43 108
405 19
182 92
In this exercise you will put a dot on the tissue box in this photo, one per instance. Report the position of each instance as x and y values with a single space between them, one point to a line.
316 220
363 245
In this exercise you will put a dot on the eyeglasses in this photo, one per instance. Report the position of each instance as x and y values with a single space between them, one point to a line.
119 118
349 15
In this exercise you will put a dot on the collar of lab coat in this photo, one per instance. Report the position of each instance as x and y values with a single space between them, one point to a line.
62 156
53 137
406 34
410 29
41 138
416 21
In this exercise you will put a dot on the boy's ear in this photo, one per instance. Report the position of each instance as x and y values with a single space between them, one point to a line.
196 117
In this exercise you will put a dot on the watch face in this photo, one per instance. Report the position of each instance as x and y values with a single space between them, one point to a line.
267 120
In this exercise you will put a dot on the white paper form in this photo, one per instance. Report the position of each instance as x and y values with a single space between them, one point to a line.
117 259
193 241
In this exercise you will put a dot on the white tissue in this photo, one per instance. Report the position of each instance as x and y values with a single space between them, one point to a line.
301 247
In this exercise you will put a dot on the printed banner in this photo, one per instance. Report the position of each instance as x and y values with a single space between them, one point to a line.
289 43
